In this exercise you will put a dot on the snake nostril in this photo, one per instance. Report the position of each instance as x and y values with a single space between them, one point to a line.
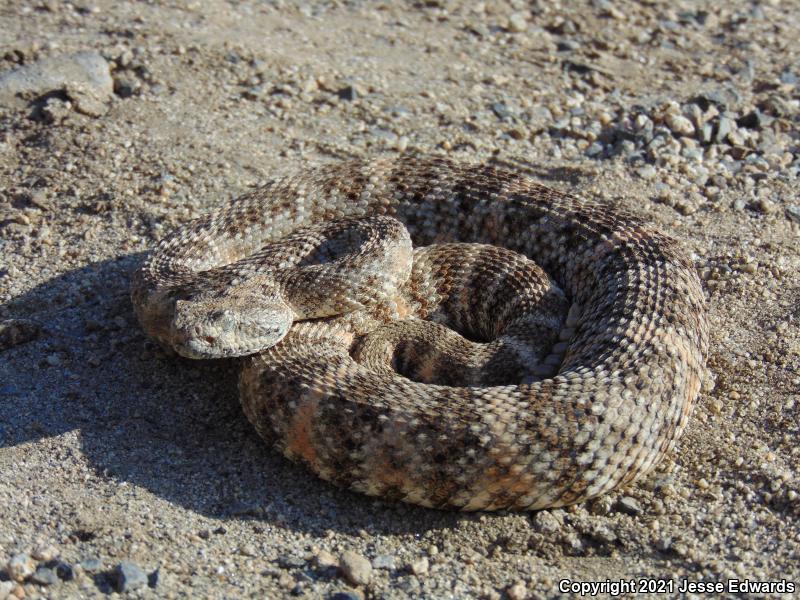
210 339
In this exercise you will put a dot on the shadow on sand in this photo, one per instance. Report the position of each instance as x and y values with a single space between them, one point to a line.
170 425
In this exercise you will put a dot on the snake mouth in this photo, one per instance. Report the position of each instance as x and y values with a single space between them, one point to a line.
191 343
227 327
208 347
197 345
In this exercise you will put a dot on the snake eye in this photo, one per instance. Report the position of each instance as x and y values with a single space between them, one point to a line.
225 319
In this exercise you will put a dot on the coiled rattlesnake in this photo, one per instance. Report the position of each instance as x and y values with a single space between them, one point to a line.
541 350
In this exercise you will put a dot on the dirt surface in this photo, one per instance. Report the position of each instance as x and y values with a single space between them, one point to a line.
127 470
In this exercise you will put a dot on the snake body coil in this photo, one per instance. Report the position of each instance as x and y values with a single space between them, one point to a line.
531 349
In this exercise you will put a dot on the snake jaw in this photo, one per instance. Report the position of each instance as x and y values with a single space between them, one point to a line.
200 330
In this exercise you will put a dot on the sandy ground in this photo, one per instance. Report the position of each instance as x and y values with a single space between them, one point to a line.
112 450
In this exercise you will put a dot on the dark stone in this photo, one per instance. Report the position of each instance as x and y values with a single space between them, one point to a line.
14 332
725 99
62 569
567 45
348 93
755 119
291 562
125 88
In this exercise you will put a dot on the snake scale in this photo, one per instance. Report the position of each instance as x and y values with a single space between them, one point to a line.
450 335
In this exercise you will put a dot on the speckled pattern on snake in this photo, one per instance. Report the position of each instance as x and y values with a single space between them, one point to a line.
534 349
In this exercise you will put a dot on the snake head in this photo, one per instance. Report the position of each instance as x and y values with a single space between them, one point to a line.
233 324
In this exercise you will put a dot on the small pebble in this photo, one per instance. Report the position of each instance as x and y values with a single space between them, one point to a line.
20 566
517 22
6 588
45 576
602 505
647 172
706 133
629 506
345 596
679 124
325 559
793 212
501 111
766 206
545 522
64 570
755 119
789 78
14 332
725 127
348 93
91 564
420 567
355 568
663 543
568 45
602 534
125 87
128 576
45 553
572 543
291 562
385 561
518 591
87 70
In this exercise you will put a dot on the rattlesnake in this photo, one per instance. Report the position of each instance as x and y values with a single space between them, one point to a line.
555 406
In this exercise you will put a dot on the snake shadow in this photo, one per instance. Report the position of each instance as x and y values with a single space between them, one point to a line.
170 425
